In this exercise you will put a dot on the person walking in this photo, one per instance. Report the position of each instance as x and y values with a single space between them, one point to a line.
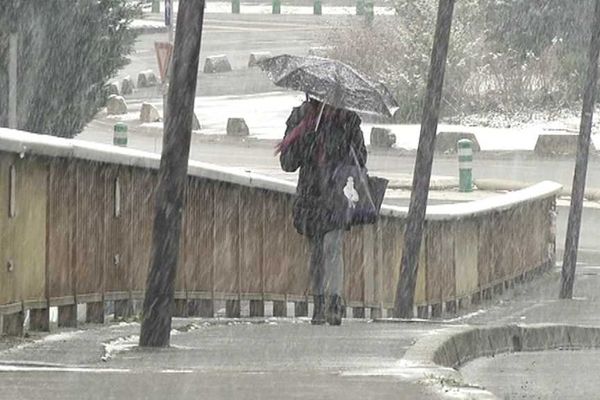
320 138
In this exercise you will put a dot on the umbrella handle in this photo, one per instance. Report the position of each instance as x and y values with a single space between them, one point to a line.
320 115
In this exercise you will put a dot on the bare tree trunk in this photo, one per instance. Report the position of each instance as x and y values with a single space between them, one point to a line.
160 287
405 291
581 162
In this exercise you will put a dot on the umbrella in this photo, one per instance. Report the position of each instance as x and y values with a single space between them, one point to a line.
331 82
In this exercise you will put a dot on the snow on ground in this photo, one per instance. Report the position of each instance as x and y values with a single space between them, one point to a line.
266 114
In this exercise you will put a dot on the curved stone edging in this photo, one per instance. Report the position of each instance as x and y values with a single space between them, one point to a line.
437 355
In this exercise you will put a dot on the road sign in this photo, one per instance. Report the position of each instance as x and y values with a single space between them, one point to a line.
168 12
163 55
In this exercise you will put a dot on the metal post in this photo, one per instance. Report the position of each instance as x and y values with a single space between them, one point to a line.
405 290
370 11
360 7
276 6
235 6
465 165
12 81
318 7
120 134
581 162
172 176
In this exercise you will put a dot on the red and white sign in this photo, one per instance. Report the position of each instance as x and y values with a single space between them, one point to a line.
164 50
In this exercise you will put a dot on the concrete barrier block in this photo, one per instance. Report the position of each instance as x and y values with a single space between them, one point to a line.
446 142
558 145
112 88
127 85
215 64
382 138
116 105
258 56
147 79
237 127
149 113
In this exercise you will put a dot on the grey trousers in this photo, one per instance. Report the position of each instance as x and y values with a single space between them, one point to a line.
327 263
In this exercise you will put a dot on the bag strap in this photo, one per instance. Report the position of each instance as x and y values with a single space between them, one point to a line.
363 177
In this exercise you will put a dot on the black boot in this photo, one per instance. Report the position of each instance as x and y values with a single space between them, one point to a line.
318 317
335 311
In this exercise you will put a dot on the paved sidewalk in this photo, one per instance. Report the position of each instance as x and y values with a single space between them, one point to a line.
557 374
278 358
282 358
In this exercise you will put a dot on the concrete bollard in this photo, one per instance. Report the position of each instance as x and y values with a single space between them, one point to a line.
276 6
257 57
360 7
120 134
235 6
217 64
465 165
318 7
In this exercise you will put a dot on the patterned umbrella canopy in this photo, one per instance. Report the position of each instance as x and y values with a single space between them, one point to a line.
331 82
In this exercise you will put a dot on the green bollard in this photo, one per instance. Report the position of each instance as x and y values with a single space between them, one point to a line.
318 8
276 6
120 134
465 165
370 10
155 6
360 7
235 6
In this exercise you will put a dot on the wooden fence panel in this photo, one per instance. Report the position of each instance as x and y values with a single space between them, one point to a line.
368 264
90 241
252 239
440 262
62 210
392 242
23 229
276 266
227 221
466 253
354 282
119 230
30 228
297 251
502 240
199 236
143 188
8 279
486 256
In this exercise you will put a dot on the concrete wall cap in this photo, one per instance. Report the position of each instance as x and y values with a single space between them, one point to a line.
28 143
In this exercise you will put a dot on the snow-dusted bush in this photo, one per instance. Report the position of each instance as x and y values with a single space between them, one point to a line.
499 59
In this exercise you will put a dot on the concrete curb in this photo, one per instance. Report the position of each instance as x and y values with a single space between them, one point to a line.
438 355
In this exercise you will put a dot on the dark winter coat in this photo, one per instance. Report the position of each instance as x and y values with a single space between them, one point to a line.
312 212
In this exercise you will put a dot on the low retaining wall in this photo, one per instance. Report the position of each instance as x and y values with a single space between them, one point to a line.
77 220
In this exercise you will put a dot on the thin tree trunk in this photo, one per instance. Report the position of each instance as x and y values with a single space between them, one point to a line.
166 233
405 291
581 162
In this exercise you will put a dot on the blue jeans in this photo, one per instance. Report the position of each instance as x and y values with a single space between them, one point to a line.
327 263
